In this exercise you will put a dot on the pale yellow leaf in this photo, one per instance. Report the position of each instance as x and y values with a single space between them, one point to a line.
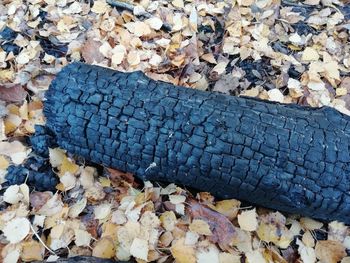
275 95
101 211
200 227
177 199
178 3
183 253
310 54
82 237
56 156
255 257
247 220
104 248
139 248
16 229
77 208
155 23
99 7
168 220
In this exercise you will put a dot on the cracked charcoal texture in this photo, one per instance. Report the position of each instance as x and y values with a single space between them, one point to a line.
286 157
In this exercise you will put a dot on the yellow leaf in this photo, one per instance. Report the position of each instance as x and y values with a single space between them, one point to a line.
247 220
168 220
293 47
23 111
104 248
12 122
68 166
104 181
4 163
32 251
183 253
310 224
310 54
200 227
228 208
272 229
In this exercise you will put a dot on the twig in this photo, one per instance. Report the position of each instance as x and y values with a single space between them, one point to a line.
122 5
42 242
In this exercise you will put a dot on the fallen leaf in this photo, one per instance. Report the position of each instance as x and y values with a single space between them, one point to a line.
177 199
68 166
57 156
14 93
330 251
155 23
310 224
139 248
82 237
200 227
68 181
247 220
275 95
208 255
223 232
168 220
53 206
101 211
272 228
310 54
32 251
16 229
307 254
90 52
255 257
39 199
100 7
77 208
183 253
104 248
15 150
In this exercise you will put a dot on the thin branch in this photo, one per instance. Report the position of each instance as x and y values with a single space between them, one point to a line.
129 7
42 242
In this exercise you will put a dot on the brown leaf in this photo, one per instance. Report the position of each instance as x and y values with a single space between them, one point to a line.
330 251
90 51
119 176
223 230
14 93
38 199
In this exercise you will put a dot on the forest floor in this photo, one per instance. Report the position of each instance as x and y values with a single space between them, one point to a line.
279 50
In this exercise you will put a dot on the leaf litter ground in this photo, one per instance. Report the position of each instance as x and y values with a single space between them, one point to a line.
285 51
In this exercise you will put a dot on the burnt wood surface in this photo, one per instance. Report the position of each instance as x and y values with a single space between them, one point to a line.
286 157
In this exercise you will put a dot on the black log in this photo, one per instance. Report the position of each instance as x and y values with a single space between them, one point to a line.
286 157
